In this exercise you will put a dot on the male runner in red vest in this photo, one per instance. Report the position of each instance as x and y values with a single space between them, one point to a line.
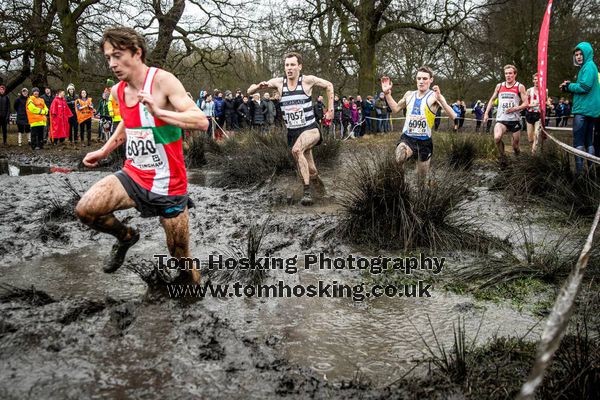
512 99
154 109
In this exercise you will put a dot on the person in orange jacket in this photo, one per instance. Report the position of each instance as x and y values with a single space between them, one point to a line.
85 110
36 115
60 114
113 108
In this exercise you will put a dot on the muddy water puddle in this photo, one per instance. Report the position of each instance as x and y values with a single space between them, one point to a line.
334 337
379 338
75 274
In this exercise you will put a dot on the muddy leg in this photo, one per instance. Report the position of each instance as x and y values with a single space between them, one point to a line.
96 207
422 170
403 153
178 240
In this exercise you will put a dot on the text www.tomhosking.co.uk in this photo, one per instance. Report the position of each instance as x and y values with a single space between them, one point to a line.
322 289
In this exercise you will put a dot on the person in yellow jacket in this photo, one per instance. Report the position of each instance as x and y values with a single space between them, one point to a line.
36 115
85 110
113 108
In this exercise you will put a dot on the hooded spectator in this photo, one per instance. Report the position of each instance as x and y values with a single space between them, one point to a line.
219 109
586 100
60 112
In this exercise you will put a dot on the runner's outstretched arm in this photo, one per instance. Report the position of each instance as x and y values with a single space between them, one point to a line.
274 83
328 86
186 115
386 87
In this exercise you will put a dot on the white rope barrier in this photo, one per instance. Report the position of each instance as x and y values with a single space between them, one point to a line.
558 320
571 149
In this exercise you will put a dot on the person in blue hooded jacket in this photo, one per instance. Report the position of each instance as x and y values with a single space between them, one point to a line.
586 100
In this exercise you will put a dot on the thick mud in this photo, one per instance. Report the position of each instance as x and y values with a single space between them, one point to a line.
67 330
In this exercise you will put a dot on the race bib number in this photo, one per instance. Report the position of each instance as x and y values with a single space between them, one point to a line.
417 125
295 119
507 104
141 149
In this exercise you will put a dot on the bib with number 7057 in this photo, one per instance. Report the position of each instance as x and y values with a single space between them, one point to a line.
295 119
141 149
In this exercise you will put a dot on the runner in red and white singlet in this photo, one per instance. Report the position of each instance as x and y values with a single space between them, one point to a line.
532 116
154 148
154 108
512 98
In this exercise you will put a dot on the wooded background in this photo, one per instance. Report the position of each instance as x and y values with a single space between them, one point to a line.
229 44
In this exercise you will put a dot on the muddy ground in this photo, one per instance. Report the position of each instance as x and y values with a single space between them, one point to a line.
67 330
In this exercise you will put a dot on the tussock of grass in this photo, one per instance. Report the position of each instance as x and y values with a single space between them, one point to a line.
549 179
59 209
251 157
497 369
247 275
548 261
195 154
461 150
382 210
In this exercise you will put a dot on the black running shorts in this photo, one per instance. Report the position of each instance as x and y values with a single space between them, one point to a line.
422 149
511 126
532 117
153 205
294 134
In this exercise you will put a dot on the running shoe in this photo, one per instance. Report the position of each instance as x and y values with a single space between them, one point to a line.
117 254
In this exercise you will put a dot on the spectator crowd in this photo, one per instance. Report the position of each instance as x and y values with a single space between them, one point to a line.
61 116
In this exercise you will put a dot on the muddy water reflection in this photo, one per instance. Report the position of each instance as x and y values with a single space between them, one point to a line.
337 337
77 274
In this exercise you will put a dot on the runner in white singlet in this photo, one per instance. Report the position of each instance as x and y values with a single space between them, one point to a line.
421 106
512 98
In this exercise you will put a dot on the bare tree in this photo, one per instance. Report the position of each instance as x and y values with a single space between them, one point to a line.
364 23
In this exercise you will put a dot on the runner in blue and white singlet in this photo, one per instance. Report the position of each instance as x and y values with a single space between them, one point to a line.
303 134
419 117
421 106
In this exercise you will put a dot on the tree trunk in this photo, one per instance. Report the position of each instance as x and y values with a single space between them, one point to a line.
16 81
39 76
166 26
70 55
367 66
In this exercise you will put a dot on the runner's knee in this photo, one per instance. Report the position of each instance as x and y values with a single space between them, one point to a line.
83 213
297 152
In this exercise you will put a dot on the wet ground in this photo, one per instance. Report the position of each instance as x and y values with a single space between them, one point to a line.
67 330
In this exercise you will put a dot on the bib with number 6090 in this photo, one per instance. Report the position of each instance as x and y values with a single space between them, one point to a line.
295 119
141 149
417 125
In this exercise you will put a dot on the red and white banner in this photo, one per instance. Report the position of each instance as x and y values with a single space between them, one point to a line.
543 59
